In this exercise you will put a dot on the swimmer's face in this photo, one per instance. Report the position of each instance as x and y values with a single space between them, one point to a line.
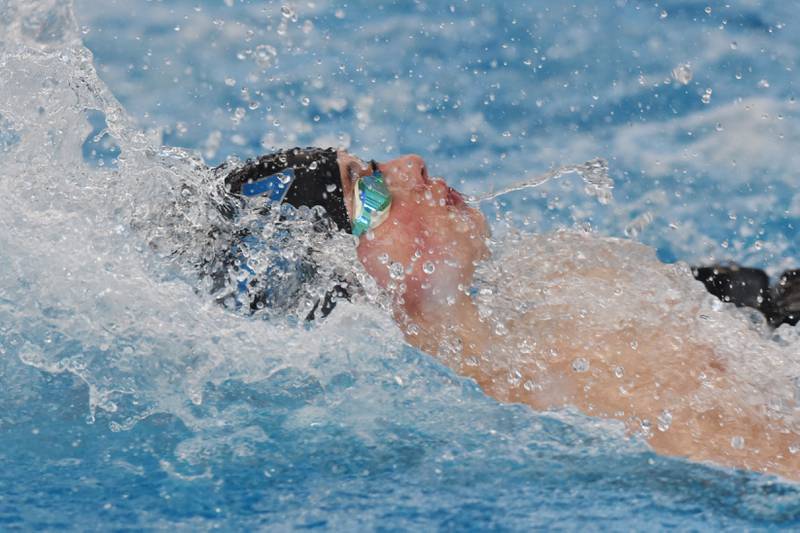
429 225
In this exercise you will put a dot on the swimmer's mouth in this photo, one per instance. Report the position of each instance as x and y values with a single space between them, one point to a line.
454 197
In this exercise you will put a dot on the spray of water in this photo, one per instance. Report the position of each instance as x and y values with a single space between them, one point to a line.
594 174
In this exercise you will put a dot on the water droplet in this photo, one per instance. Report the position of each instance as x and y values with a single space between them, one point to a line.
288 12
330 187
473 138
313 165
763 84
737 442
428 267
707 10
619 371
305 101
580 365
682 73
383 259
230 82
706 98
635 227
413 330
663 14
734 45
719 127
500 329
664 420
397 271
264 54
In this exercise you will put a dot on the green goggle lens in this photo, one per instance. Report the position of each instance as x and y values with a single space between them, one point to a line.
371 203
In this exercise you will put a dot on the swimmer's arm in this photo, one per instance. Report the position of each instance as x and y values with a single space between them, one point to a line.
678 396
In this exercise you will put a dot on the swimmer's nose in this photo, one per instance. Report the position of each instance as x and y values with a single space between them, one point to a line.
411 168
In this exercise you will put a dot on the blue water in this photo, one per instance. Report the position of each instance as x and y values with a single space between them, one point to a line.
127 402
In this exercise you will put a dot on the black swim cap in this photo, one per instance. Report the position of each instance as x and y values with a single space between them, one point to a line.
317 180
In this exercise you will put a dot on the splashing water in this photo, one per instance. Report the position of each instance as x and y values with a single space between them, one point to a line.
200 418
594 174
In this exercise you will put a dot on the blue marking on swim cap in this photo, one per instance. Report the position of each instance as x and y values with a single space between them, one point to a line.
274 187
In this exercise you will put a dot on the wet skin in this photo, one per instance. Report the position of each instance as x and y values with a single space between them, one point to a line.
429 224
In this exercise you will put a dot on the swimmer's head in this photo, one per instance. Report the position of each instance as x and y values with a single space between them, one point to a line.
431 239
427 229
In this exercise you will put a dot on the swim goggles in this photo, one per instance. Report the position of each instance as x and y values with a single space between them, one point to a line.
371 202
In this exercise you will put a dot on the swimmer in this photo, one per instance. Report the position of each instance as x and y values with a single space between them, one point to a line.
402 216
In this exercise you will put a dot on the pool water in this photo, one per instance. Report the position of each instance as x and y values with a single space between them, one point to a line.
128 400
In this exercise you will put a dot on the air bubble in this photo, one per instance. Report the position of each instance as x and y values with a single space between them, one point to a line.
428 267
